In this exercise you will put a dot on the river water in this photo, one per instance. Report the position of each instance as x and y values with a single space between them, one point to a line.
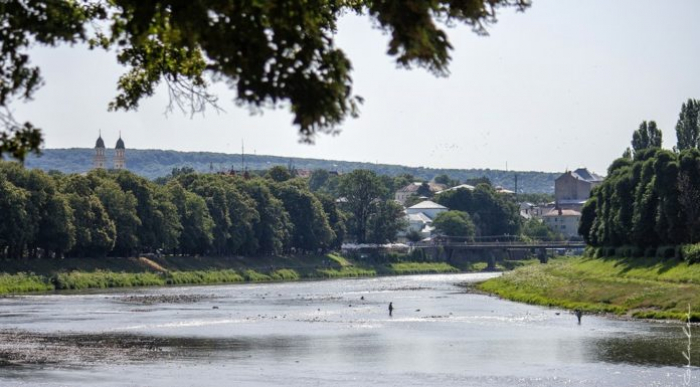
325 334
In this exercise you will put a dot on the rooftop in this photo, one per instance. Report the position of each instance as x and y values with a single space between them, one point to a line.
461 186
413 187
427 205
585 175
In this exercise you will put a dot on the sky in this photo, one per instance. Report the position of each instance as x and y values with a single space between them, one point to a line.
560 86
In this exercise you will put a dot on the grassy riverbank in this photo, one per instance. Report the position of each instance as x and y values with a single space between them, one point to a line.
636 287
83 273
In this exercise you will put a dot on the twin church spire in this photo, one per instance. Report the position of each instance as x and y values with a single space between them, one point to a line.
99 160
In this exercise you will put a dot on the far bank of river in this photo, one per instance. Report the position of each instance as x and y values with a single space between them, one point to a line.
41 275
634 287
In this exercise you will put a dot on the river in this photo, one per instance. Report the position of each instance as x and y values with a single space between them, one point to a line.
327 333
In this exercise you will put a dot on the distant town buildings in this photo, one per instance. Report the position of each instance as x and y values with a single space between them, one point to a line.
99 160
404 193
420 218
563 221
573 188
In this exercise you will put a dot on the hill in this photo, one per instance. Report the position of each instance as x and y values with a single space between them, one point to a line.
153 163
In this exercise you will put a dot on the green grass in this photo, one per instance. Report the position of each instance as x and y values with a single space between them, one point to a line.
254 276
641 288
346 272
201 277
422 267
23 283
341 261
285 275
112 272
106 279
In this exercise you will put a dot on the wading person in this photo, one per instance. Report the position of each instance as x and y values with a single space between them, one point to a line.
578 314
391 309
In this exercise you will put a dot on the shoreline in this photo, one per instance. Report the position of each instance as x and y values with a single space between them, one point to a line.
625 288
37 277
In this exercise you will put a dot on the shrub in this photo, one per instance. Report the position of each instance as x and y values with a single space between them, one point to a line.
284 275
22 283
690 253
666 252
254 276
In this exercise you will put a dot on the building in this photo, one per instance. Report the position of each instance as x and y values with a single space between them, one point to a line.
530 211
119 156
419 223
430 209
563 221
573 188
99 161
461 186
404 193
420 218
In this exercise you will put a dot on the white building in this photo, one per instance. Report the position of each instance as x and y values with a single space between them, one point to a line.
430 209
563 221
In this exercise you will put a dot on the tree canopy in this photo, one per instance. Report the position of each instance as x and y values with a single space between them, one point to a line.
269 52
646 137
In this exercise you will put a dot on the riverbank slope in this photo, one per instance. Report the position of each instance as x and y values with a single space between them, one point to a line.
635 287
22 276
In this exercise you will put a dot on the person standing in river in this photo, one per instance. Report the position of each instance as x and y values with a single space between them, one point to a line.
391 309
579 314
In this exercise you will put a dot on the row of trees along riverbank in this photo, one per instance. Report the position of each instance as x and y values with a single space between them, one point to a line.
649 204
117 213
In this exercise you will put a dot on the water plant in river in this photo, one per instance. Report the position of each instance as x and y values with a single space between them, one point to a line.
686 353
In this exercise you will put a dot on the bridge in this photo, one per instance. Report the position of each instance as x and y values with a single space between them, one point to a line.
490 248
503 245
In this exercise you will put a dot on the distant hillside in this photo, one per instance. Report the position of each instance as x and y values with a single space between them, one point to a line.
154 163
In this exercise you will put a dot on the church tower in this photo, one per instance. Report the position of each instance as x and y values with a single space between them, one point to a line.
119 158
99 160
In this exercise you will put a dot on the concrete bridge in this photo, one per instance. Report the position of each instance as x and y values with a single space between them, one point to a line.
503 245
497 250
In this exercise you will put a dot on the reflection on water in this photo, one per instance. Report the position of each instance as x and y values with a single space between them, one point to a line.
326 333
656 347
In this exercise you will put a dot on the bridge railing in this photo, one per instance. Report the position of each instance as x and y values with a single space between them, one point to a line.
499 240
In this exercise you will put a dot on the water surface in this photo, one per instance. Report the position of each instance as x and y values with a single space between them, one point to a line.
325 334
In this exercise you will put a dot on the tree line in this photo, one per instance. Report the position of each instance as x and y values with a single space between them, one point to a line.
117 213
152 164
651 196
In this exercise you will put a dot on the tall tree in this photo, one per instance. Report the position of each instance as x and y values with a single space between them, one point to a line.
455 224
121 208
197 225
310 230
14 219
359 190
385 221
646 137
687 131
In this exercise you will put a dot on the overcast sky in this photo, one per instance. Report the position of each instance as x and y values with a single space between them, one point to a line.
560 86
